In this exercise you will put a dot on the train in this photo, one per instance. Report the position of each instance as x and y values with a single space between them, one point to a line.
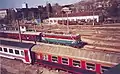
77 22
60 57
65 22
63 39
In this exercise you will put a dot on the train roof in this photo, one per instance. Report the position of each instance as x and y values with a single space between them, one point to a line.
91 56
15 44
31 33
62 34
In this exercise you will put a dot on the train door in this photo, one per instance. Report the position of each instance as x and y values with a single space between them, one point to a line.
27 56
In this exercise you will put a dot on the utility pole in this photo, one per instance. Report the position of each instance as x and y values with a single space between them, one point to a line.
20 38
93 18
62 18
33 21
93 13
48 11
67 23
23 15
40 18
18 24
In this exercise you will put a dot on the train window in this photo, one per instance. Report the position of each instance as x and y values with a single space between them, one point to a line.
76 63
72 19
11 50
5 49
90 66
50 20
22 53
103 68
54 59
65 61
0 49
45 57
16 52
55 21
22 27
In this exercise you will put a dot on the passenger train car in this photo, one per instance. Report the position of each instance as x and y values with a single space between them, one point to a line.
60 57
16 50
74 60
31 36
64 39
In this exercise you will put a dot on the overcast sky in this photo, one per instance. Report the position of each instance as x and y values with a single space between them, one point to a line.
32 3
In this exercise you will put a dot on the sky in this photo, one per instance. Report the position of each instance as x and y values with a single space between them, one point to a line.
32 3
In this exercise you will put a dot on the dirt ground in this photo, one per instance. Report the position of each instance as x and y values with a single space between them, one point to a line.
8 66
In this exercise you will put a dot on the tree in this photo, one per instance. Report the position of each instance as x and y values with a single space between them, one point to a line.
49 8
113 9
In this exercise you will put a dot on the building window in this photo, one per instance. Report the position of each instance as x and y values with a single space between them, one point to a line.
22 53
10 50
103 68
5 49
90 66
54 59
65 61
0 49
16 52
45 57
76 63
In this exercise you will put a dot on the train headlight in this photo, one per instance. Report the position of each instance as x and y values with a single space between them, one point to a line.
73 42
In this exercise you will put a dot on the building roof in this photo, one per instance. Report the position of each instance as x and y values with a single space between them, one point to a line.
77 14
114 70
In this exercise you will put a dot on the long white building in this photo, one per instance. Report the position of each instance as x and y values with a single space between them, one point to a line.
75 17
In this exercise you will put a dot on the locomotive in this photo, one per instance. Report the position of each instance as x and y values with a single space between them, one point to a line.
63 39
60 57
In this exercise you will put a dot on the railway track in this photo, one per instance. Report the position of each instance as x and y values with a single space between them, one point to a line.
101 48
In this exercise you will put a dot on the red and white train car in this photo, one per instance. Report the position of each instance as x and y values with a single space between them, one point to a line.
74 60
15 50
31 36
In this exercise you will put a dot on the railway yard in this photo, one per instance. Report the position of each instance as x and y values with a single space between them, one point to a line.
103 38
99 37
